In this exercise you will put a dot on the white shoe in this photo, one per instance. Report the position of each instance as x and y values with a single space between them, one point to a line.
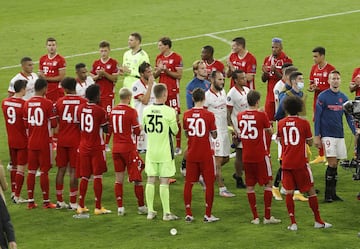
272 220
178 152
9 167
189 218
19 200
61 205
212 218
183 171
107 148
292 227
73 206
255 221
169 217
322 225
151 215
226 193
121 211
142 210
232 155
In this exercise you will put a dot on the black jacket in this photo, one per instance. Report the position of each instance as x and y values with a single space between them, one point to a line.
7 233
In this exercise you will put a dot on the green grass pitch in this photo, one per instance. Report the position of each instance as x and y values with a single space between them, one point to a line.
80 25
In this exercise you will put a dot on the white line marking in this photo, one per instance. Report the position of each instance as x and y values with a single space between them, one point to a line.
215 33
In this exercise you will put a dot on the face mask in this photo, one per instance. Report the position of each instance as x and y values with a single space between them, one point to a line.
300 85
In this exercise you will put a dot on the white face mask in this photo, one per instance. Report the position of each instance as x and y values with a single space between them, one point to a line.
300 85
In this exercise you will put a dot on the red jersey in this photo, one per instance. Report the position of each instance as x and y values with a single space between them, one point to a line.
13 110
293 132
92 118
106 86
273 79
214 66
355 74
39 117
198 123
246 64
172 62
320 77
66 111
252 125
124 123
51 66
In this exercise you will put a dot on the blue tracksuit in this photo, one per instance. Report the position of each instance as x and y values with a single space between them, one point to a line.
195 83
328 115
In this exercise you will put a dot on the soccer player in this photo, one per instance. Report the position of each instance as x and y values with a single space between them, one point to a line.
253 124
124 124
294 87
271 73
199 81
236 102
68 141
199 125
319 76
355 82
27 66
207 56
83 79
132 59
160 124
279 86
142 90
329 131
105 74
169 69
52 68
92 160
241 59
215 102
39 116
13 110
294 133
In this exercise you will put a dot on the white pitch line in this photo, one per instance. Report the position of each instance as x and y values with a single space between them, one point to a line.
214 33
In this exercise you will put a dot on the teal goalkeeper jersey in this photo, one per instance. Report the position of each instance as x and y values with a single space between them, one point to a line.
133 61
160 125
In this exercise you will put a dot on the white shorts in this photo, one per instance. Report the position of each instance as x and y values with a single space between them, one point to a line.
334 147
221 145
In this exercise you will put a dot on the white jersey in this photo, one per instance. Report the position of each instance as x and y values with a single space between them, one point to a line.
216 103
237 99
82 86
30 91
279 86
138 89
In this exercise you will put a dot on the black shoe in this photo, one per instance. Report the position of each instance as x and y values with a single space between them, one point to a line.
328 199
239 181
337 198
317 191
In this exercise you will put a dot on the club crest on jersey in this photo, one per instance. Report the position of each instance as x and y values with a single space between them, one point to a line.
243 64
341 100
134 88
108 66
325 74
171 61
54 63
228 98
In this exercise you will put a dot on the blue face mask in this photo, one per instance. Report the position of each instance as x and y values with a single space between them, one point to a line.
300 85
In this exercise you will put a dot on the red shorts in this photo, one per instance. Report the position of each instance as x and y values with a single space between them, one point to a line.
107 104
93 163
174 102
132 162
260 172
65 156
40 159
205 168
301 179
18 156
270 109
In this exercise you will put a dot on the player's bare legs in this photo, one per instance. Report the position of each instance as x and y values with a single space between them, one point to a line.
219 162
